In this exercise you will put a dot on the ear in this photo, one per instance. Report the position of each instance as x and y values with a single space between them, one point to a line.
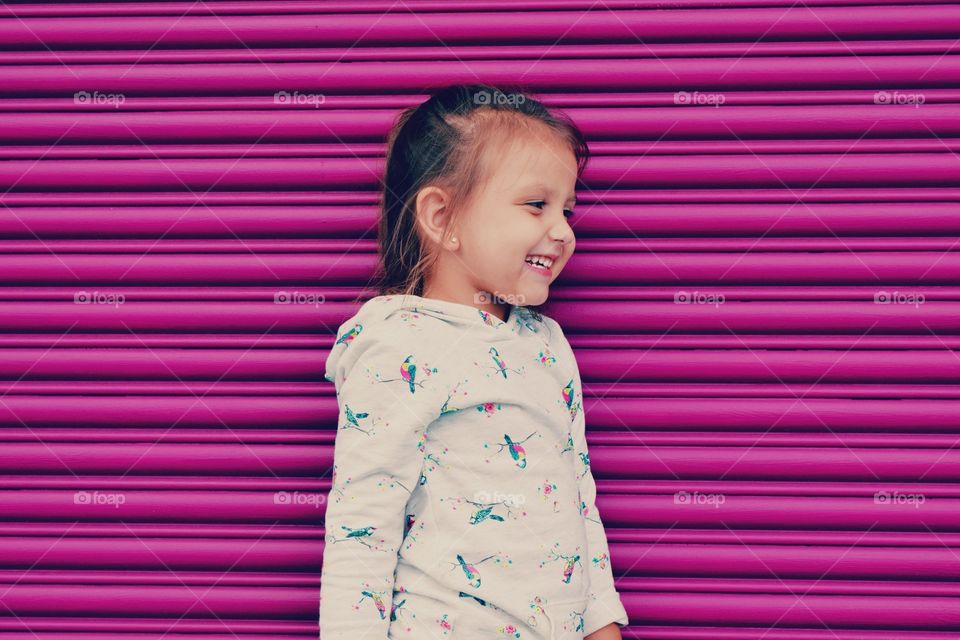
433 212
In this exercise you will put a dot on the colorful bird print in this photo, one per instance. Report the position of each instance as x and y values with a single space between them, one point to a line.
353 419
377 601
355 534
524 315
490 319
480 600
568 568
484 511
569 562
350 335
578 620
470 570
568 394
569 445
408 371
393 609
517 452
501 366
470 595
585 459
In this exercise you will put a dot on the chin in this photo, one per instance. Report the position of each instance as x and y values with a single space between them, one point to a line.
535 299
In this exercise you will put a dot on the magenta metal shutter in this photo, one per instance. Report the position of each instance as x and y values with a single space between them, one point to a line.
764 300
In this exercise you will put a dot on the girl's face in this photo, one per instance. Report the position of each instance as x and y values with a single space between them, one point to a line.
515 237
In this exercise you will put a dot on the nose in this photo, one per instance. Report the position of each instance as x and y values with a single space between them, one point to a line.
562 232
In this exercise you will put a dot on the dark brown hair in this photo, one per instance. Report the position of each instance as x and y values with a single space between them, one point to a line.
444 142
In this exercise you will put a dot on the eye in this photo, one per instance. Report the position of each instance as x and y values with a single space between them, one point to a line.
567 213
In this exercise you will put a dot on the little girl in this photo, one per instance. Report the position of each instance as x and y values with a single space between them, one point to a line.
462 503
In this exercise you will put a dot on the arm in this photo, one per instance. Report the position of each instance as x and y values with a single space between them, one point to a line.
604 608
377 465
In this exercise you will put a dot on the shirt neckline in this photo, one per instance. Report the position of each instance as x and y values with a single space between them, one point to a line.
460 309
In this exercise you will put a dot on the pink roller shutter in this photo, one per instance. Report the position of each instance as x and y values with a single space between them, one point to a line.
765 301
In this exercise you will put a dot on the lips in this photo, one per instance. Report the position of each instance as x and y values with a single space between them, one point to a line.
540 260
536 265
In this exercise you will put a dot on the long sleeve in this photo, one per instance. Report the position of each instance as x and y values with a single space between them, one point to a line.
604 605
388 392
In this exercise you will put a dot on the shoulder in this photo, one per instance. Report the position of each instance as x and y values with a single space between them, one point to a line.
397 338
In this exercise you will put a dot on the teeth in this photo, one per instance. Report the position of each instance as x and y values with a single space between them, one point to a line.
543 261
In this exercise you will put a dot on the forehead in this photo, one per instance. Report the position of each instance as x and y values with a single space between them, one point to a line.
535 159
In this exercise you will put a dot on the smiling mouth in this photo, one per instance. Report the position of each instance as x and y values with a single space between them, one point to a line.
540 265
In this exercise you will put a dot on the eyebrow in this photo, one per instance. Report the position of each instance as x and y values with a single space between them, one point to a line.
572 198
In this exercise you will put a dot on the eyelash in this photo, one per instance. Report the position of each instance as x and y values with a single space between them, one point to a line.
566 212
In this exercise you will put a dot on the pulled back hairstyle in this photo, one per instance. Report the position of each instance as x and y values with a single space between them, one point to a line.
445 142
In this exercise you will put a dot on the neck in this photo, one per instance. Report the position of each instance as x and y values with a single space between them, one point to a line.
480 300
